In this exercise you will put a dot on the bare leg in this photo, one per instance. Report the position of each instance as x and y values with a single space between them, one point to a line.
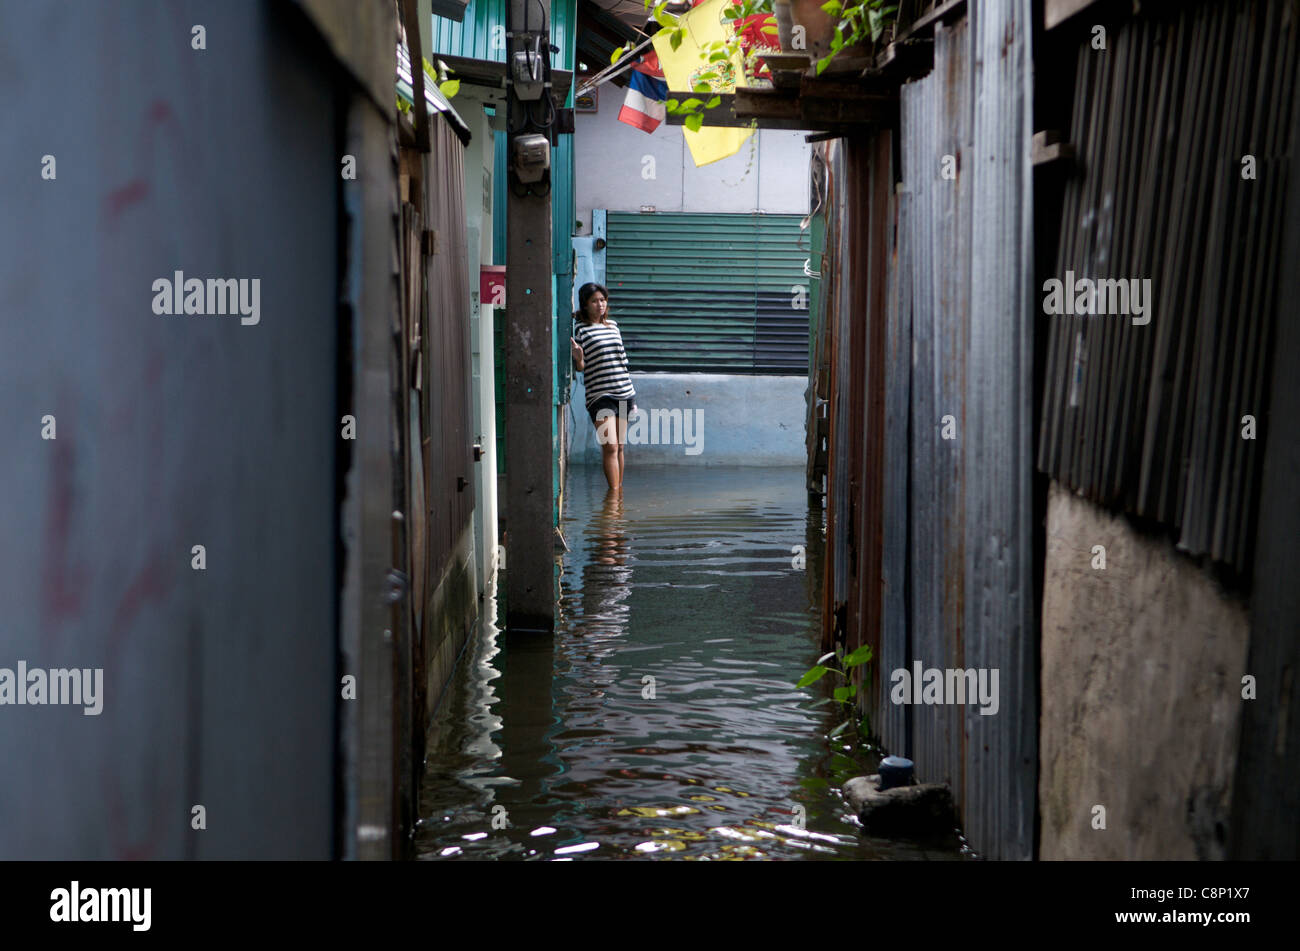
622 441
607 437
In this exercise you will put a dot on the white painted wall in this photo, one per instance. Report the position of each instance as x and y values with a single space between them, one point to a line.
620 168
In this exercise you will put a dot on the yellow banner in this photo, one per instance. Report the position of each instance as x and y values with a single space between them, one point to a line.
688 65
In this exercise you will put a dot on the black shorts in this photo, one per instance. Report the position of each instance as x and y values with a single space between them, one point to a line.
609 403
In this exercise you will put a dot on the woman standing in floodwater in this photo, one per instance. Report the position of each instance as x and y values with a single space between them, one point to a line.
598 352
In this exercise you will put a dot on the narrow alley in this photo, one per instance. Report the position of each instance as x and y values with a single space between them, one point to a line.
438 432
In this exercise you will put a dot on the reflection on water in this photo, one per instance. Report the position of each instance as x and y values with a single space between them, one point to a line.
661 720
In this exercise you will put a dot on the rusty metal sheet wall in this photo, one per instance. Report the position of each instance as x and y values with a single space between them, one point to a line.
877 243
839 426
893 720
936 172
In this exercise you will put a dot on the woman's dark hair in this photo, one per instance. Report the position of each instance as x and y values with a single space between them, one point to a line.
585 294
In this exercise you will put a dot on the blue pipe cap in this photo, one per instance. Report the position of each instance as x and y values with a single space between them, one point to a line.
895 771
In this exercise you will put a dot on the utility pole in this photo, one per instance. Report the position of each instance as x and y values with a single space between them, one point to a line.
530 562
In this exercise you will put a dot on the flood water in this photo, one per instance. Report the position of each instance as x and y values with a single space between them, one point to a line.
661 720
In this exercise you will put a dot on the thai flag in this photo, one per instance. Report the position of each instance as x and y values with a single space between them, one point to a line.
647 91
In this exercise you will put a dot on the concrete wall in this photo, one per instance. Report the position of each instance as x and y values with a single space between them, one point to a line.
620 168
1141 693
736 421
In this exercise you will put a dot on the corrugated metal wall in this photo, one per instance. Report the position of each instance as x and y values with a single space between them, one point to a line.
473 37
1001 621
937 120
1148 417
929 344
719 293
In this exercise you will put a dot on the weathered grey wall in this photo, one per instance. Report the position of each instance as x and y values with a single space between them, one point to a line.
172 431
1141 671
769 173
737 420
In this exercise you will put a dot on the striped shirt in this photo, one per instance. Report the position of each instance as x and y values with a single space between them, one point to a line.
604 361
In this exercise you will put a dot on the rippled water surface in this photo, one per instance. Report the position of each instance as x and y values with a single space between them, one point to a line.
661 720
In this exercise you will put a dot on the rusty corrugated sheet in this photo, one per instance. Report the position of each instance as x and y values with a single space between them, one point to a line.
936 118
938 546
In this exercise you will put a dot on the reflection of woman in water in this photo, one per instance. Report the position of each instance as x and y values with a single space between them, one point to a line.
598 352
607 576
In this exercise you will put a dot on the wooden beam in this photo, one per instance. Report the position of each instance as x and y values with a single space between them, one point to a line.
411 23
1047 147
925 23
818 106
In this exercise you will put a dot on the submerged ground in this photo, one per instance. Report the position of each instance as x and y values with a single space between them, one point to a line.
661 719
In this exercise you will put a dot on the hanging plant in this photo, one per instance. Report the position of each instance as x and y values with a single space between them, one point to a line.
858 22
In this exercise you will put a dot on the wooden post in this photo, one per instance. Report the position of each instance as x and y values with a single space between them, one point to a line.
530 594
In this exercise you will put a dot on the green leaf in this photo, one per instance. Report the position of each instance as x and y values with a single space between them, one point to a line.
671 106
876 22
841 728
719 56
617 54
814 675
713 103
690 105
449 88
860 656
844 693
768 28
832 7
663 18
694 121
823 63
675 40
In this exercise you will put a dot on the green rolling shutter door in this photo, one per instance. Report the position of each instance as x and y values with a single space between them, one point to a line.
709 293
